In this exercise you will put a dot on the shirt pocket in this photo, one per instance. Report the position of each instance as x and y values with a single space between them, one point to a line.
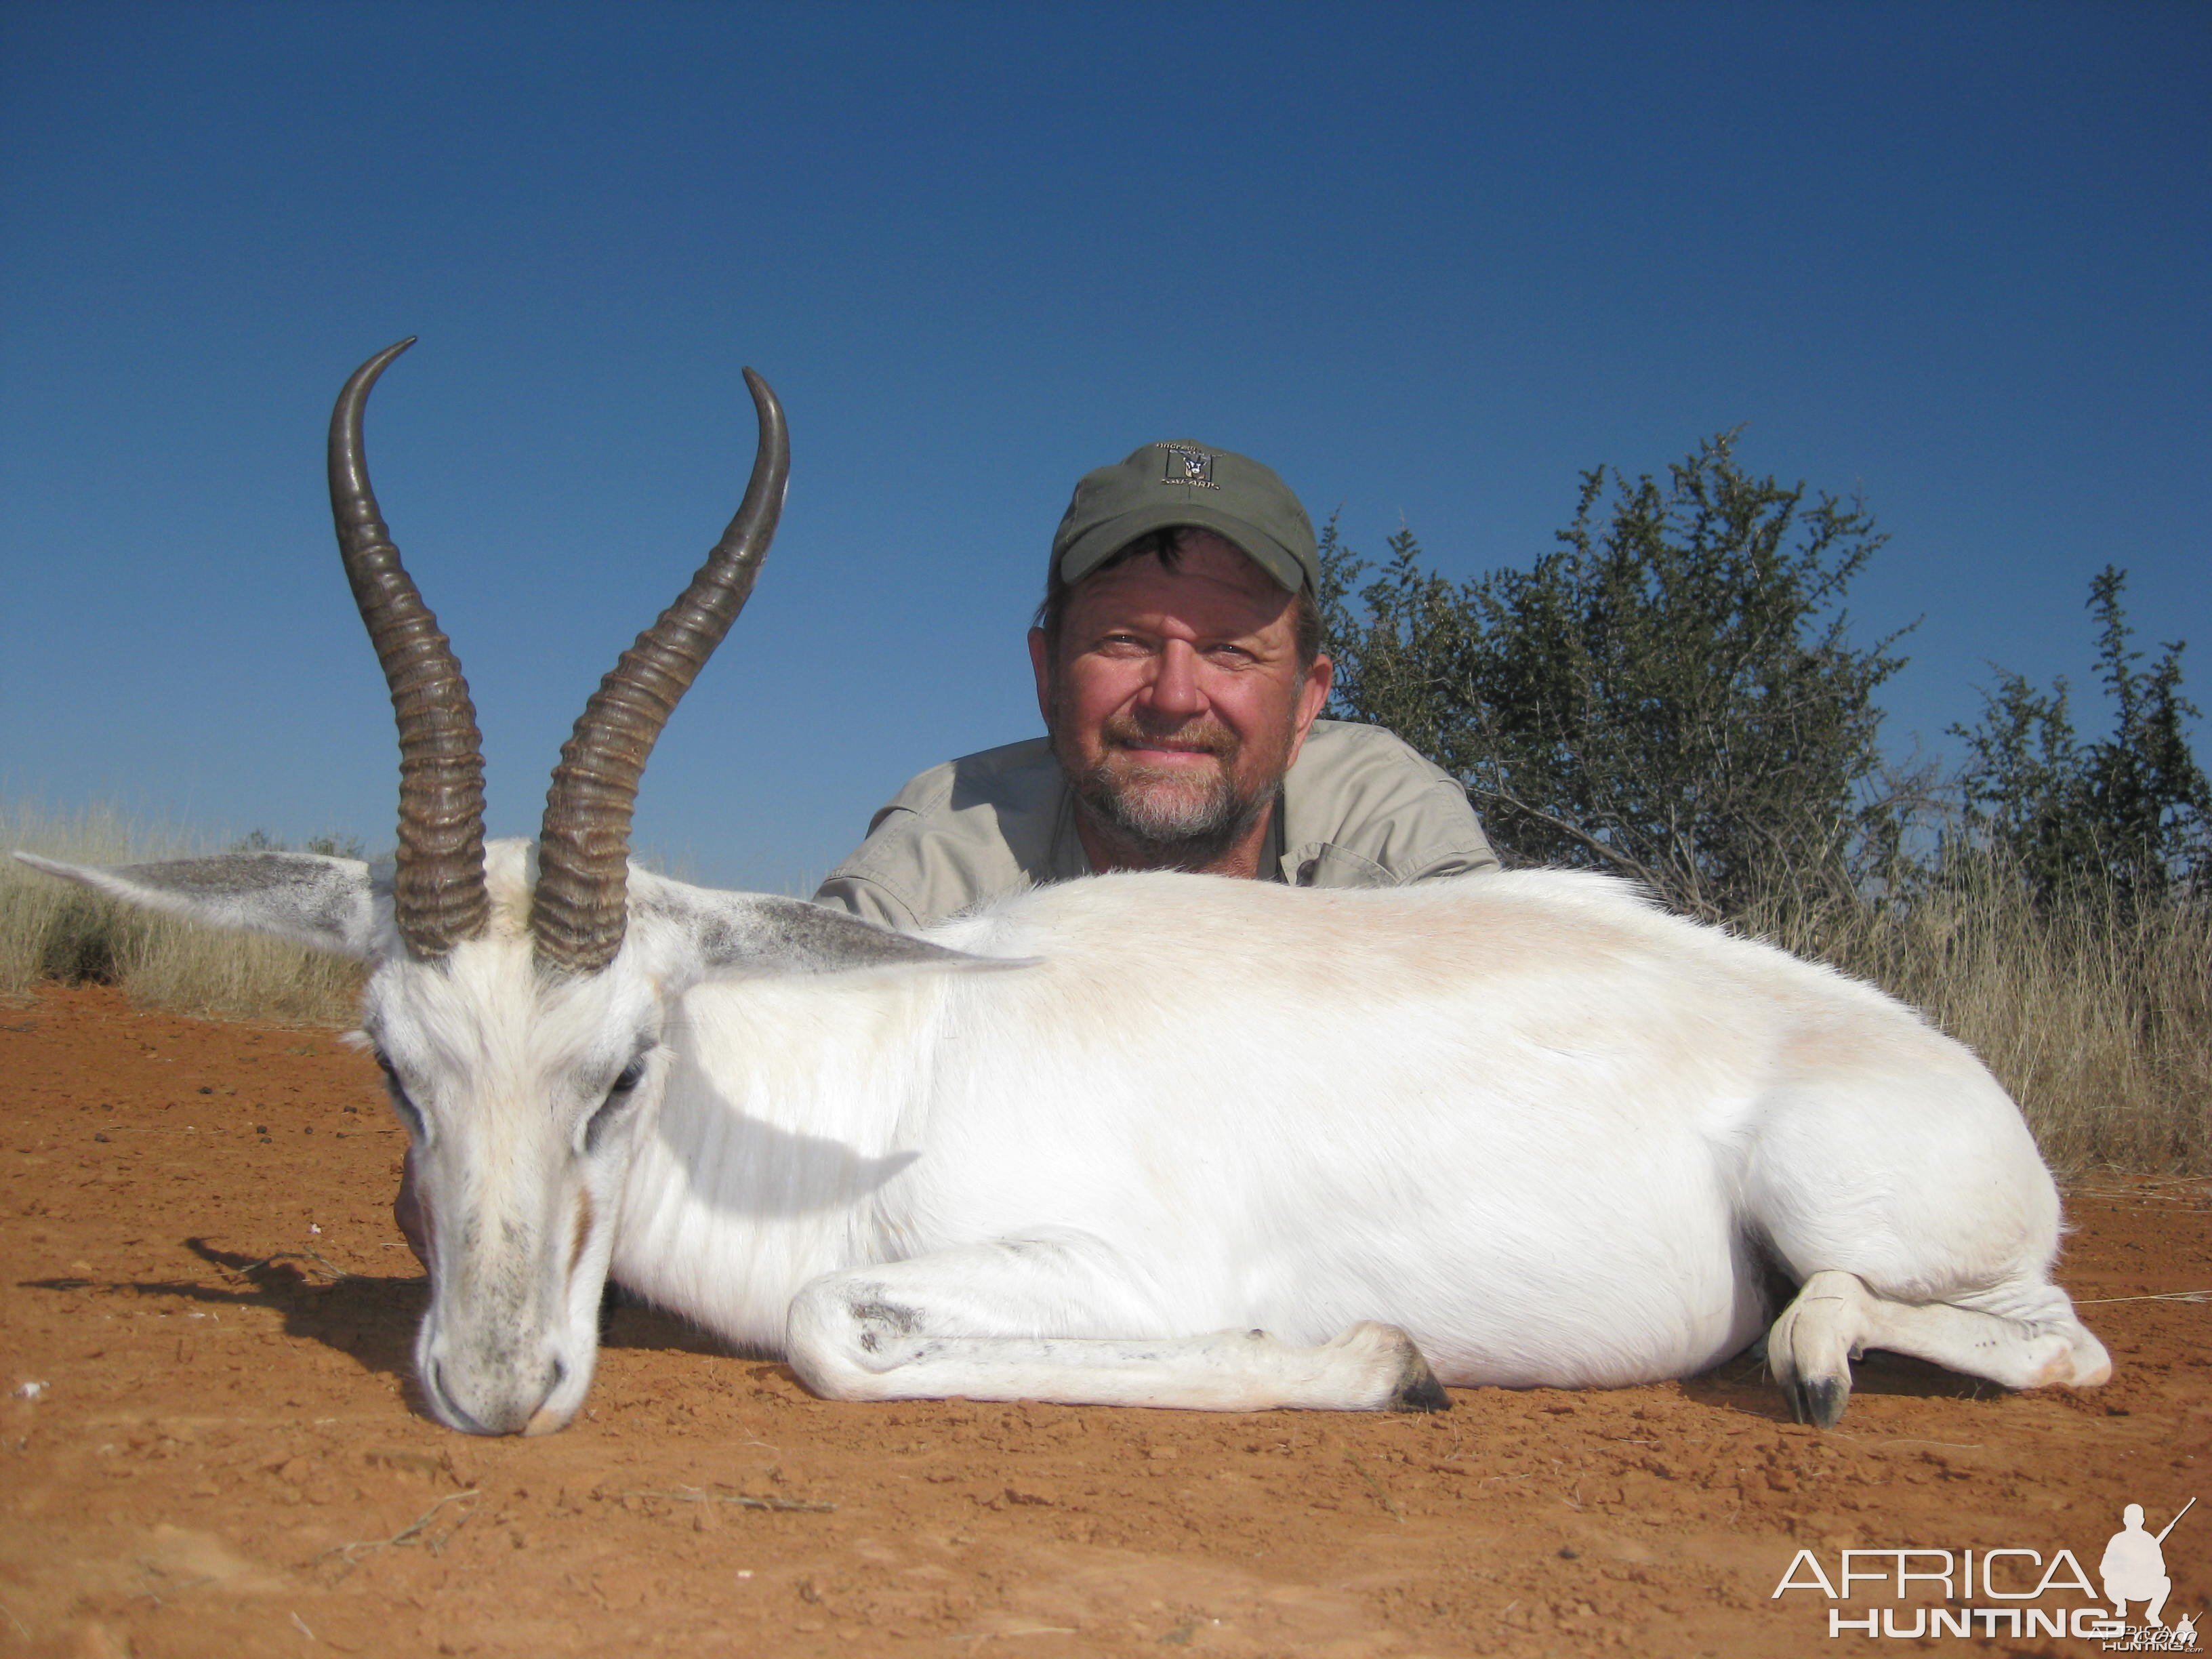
1324 864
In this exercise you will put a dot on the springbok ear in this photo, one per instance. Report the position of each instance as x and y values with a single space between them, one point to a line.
735 934
311 900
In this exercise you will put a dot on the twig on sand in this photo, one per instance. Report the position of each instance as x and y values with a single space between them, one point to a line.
1876 1440
20 1628
742 1500
1382 1496
2156 1296
310 1254
414 1533
2142 1188
153 1572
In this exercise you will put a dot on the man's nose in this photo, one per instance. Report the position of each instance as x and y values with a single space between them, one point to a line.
1174 690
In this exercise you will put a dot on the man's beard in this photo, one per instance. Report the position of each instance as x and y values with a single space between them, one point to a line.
1167 819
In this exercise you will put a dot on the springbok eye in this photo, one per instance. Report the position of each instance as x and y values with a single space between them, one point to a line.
405 1110
618 1101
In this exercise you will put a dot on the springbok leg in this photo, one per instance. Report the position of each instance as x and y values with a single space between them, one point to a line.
1836 1316
984 1322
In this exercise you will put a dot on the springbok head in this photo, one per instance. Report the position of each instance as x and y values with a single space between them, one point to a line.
516 997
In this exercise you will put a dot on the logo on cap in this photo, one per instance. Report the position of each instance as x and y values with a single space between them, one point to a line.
1189 466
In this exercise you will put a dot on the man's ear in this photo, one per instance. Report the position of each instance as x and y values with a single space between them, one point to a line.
1312 698
1041 666
733 935
326 903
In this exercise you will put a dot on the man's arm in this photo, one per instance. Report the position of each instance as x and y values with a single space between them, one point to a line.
871 900
1434 831
955 836
1457 844
1363 809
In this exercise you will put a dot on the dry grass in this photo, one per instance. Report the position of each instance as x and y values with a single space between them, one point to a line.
52 929
2098 1023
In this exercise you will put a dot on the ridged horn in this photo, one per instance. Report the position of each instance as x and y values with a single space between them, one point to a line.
580 909
438 894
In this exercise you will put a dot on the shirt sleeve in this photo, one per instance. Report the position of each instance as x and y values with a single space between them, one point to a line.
1447 836
1363 809
871 900
955 836
852 889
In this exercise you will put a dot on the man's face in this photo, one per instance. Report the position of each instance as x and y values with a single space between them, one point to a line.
1177 702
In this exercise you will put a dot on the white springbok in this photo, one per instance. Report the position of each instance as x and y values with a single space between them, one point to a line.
1144 1139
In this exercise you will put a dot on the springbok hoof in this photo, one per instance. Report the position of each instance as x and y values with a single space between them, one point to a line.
1819 1401
1417 1389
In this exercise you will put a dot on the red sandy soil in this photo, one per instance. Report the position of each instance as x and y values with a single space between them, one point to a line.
226 1457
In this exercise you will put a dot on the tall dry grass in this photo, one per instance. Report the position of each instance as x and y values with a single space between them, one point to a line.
56 930
2099 1020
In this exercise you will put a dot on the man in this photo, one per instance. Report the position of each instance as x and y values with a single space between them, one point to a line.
1179 672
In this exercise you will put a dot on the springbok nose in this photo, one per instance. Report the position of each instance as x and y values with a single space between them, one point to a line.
443 1404
512 1410
544 1420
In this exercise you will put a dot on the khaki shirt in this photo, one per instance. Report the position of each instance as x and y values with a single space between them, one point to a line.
1359 809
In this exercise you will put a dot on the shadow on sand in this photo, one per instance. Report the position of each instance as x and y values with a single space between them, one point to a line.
1744 1384
370 1316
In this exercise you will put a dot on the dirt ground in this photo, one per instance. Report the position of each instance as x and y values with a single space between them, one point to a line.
209 1446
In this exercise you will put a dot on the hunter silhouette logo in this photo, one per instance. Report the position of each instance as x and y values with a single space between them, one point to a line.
2134 1568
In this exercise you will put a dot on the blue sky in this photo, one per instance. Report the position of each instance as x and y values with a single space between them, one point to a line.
1427 261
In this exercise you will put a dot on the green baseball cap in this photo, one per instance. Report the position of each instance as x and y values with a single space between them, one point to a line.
1165 485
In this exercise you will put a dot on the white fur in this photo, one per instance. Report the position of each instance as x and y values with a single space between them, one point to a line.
1527 1125
1529 1119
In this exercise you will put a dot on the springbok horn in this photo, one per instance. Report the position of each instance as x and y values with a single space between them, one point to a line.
438 896
578 913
